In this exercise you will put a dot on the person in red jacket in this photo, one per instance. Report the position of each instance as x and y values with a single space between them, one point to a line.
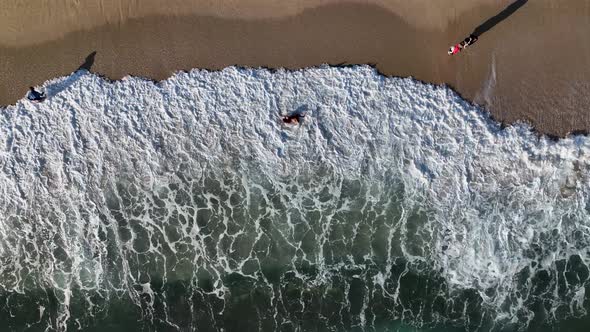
455 49
467 42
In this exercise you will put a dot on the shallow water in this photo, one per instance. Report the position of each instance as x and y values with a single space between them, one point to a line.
187 205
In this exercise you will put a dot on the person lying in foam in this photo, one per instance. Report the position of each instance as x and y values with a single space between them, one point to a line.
294 118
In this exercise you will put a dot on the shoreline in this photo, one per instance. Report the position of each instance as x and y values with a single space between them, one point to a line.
515 77
487 114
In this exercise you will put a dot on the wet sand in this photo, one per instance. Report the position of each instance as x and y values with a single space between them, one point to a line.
533 66
28 22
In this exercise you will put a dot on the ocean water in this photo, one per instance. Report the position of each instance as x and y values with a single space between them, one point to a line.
186 205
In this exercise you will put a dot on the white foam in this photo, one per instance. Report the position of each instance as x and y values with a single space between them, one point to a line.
490 194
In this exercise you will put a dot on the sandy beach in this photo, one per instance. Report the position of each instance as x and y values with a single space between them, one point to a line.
189 182
534 66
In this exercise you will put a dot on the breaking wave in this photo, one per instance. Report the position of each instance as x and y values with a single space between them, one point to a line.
188 205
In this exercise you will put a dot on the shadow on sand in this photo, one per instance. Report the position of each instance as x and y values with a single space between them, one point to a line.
54 89
490 23
88 62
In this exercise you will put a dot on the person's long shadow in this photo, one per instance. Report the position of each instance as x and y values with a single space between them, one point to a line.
54 89
88 62
490 23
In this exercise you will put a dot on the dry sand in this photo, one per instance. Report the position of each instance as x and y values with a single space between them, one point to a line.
533 66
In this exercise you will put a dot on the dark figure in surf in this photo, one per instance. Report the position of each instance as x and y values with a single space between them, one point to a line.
35 95
294 118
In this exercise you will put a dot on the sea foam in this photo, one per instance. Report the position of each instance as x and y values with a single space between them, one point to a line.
108 186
